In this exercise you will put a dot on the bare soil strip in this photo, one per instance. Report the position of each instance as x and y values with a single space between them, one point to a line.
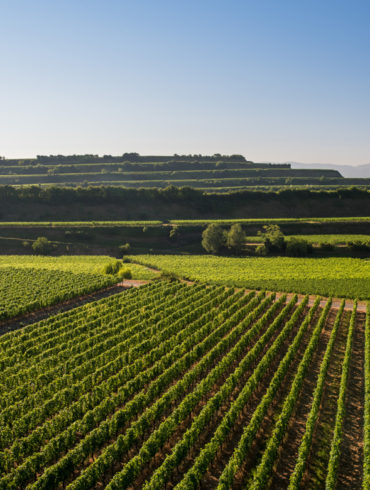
351 460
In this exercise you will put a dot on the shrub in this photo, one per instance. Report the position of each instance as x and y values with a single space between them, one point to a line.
326 246
174 233
261 250
112 267
125 273
273 239
359 246
42 246
124 248
297 247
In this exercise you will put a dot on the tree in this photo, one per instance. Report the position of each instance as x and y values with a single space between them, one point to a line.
273 239
236 238
213 238
42 246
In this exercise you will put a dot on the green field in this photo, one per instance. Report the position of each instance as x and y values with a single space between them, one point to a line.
28 283
343 277
182 222
262 221
332 239
88 264
23 290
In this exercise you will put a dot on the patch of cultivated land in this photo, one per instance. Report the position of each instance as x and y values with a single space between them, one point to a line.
187 385
337 276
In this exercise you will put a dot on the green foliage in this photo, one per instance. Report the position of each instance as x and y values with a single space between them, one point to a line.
213 238
236 238
124 273
366 479
42 246
26 289
334 276
31 203
297 247
273 240
119 379
359 245
327 246
335 449
124 249
305 445
112 267
174 232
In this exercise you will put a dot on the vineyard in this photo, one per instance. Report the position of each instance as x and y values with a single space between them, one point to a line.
29 283
23 290
335 276
188 386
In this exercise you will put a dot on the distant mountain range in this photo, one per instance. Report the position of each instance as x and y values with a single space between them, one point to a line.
359 171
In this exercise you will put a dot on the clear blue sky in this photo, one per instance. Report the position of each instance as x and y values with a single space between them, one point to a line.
273 80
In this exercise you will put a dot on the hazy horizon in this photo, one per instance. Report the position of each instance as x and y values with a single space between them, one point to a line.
274 81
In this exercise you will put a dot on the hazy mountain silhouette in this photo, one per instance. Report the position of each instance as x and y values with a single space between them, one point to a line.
362 171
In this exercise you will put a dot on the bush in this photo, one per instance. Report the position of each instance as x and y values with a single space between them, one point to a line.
125 273
261 250
42 246
174 233
273 239
359 246
168 276
297 247
112 267
326 247
124 249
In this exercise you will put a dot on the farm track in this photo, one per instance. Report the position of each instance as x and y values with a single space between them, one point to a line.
316 468
351 460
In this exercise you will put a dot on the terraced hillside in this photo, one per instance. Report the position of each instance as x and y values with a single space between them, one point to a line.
208 174
191 386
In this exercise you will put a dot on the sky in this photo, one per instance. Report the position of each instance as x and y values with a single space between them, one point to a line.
273 80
